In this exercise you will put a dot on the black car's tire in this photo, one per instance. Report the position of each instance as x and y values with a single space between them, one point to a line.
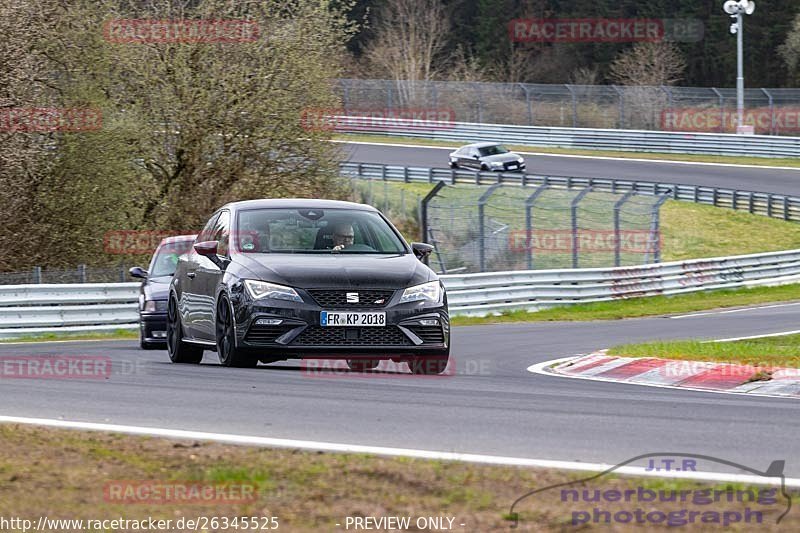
428 365
484 168
178 350
229 354
362 365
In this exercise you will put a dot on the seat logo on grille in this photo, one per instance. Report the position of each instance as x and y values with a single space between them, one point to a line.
352 297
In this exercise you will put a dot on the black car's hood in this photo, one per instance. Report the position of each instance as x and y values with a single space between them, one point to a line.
326 271
157 288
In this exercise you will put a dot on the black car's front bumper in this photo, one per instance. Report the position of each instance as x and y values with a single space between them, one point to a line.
300 333
153 327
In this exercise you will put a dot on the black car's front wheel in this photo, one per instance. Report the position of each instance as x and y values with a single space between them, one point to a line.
178 350
229 354
428 364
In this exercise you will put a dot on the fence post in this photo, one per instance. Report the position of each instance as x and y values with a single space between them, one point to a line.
574 106
82 273
482 225
423 209
37 274
617 208
529 201
721 110
574 216
621 106
655 230
528 104
771 111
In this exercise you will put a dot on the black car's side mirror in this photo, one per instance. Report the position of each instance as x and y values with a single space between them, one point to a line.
476 157
421 250
138 272
209 249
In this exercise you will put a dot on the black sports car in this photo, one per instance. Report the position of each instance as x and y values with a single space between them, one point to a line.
154 290
276 279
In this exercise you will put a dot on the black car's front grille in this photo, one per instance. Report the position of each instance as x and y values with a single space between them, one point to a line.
332 336
367 298
428 334
266 334
514 164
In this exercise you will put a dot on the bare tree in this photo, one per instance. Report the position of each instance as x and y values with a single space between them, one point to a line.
790 49
644 69
410 37
186 126
651 64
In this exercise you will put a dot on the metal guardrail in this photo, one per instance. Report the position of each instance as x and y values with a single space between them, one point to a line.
768 204
713 109
588 139
36 309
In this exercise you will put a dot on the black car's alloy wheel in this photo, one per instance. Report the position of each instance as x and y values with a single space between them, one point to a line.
179 351
229 354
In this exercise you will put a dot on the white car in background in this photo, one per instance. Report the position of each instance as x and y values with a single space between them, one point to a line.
487 156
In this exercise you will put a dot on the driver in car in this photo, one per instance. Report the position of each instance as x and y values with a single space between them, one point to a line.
343 236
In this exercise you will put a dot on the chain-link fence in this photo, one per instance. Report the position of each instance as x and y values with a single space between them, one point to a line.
79 274
664 108
495 228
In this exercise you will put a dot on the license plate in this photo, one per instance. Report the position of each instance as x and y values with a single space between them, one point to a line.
344 318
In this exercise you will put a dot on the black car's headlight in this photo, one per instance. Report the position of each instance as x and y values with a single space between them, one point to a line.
428 292
264 289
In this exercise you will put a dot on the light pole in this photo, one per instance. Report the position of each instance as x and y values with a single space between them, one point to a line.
736 8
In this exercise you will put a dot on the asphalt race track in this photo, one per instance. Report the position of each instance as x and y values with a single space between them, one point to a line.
491 405
761 179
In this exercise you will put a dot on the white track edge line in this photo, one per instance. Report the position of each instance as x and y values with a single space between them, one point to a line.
542 368
763 335
606 158
737 310
393 452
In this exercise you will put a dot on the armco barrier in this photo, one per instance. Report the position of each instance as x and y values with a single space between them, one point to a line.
36 309
583 138
768 204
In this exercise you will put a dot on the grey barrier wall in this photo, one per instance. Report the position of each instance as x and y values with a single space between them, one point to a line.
38 309
582 138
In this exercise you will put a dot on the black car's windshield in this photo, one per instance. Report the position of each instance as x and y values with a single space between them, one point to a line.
493 150
315 231
166 258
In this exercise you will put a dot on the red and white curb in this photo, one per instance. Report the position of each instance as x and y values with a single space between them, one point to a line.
694 375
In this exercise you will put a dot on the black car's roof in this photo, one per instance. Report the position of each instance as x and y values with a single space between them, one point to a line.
297 203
